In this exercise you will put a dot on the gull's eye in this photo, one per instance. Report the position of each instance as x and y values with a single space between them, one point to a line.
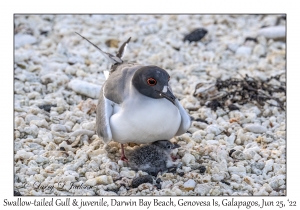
151 81
169 146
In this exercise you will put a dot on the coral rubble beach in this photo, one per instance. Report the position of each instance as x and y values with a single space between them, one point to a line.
58 75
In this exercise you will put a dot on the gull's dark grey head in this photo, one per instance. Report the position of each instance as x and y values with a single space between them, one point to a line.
165 144
152 81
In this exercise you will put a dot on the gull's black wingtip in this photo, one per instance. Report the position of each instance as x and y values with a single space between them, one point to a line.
79 34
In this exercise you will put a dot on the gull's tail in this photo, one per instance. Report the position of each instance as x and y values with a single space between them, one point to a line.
114 59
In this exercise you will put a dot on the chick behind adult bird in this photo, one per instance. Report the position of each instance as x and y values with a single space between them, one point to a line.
153 158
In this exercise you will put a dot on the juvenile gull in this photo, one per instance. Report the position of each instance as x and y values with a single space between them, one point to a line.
153 158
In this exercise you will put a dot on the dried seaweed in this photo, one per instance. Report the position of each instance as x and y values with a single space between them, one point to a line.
225 182
241 91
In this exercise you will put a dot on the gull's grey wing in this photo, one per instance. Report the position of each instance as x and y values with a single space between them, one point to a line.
117 86
185 119
104 112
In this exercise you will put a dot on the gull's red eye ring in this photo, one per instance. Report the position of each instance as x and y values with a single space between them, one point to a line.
151 81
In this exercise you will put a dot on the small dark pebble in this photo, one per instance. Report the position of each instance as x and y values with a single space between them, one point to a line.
175 48
158 180
195 35
16 193
152 173
251 39
181 173
114 190
202 169
21 66
201 120
158 186
264 26
68 142
47 107
140 180
231 151
112 43
122 185
62 149
225 132
45 33
223 181
232 107
189 132
214 104
117 179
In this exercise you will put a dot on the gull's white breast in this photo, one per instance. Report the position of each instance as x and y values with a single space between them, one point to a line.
142 119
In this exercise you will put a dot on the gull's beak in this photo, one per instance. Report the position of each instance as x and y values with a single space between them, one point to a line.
167 93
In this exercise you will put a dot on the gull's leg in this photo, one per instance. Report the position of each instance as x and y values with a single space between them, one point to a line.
123 155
